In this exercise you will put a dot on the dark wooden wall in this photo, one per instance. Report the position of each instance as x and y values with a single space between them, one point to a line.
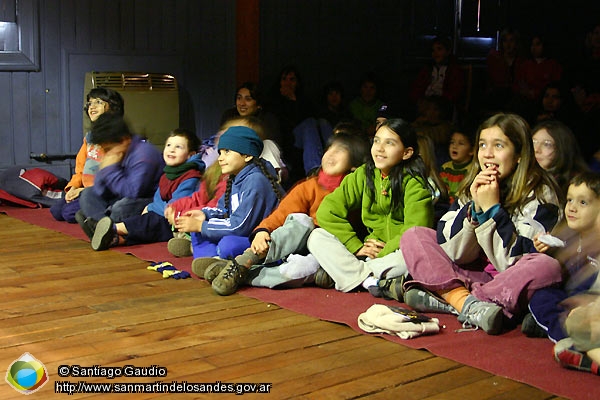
40 112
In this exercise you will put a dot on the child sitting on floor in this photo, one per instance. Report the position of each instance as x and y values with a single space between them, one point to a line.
550 306
211 189
284 233
98 101
181 176
213 185
392 193
480 263
252 192
127 176
581 350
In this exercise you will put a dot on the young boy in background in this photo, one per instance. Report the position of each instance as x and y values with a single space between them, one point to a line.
453 172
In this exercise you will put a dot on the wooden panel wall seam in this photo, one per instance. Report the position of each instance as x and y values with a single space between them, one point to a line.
247 25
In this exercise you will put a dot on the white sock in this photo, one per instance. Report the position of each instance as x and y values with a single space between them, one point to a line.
370 281
298 266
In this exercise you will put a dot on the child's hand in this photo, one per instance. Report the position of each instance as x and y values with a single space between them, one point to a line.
72 194
489 196
260 244
169 214
366 252
191 221
111 159
485 190
539 246
371 248
115 154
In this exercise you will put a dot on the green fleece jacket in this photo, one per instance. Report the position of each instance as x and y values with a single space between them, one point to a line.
376 214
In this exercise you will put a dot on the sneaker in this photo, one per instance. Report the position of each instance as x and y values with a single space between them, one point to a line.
531 329
104 234
569 357
214 269
323 280
481 314
87 224
180 247
390 289
248 259
421 299
230 278
200 265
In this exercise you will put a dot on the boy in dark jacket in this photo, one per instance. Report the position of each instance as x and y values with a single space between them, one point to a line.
127 177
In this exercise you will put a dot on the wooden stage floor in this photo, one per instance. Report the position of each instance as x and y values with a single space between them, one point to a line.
69 306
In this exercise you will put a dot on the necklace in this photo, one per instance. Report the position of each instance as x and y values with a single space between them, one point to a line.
385 185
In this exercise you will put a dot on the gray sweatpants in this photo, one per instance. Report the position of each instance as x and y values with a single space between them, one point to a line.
290 238
345 268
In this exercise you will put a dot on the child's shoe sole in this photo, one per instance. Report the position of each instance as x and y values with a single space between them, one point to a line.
103 234
200 264
180 247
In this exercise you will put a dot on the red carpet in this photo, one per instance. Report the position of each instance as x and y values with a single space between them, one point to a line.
511 355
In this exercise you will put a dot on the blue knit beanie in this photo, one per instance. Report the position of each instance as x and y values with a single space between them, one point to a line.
241 139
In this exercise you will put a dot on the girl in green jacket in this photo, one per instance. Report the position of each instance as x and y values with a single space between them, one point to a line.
392 194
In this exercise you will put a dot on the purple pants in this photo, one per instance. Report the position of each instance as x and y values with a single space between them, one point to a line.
430 267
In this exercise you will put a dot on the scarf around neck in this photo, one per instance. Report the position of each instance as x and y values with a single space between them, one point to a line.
175 172
173 176
329 182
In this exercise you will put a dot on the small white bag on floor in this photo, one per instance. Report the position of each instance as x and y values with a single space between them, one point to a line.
402 322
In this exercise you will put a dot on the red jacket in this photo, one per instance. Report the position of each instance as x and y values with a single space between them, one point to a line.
531 77
500 74
454 83
200 199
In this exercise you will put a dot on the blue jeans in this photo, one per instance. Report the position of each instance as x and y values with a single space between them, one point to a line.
95 206
147 228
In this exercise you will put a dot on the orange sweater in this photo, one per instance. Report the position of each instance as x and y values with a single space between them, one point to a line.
304 198
86 165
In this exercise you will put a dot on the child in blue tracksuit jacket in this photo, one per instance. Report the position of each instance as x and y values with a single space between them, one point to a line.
181 178
252 193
